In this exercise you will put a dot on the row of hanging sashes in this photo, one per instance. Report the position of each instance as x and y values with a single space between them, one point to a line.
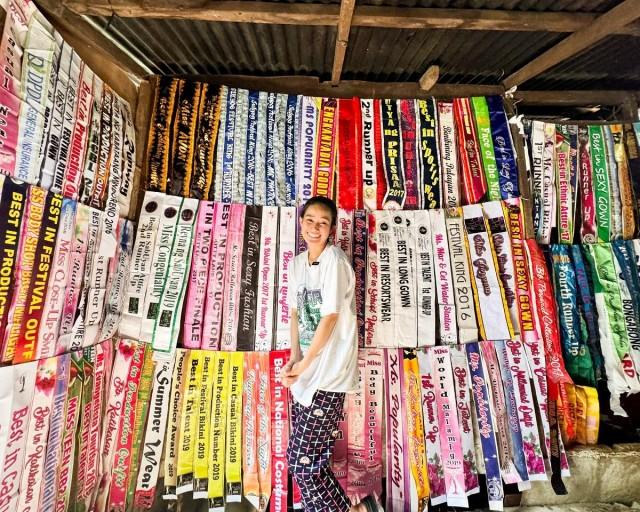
63 272
63 129
234 145
584 181
102 428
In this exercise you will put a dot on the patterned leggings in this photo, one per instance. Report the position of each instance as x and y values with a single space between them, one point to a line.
309 453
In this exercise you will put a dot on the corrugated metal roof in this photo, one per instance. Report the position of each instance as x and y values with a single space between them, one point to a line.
508 5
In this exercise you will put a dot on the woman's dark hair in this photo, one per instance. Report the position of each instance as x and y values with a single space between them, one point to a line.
322 201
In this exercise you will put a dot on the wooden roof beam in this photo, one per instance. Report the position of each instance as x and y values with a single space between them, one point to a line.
342 38
329 15
603 26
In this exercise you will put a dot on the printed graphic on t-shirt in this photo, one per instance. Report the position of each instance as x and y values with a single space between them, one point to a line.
309 302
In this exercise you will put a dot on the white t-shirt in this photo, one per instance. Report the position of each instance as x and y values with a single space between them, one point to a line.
319 290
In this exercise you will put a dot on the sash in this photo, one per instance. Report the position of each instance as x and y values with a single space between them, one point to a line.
503 253
154 437
395 193
118 273
576 353
6 398
588 311
250 276
355 411
461 276
435 467
73 175
624 180
373 393
208 119
600 183
372 303
215 194
101 183
271 194
326 149
385 328
167 323
233 272
485 140
537 175
37 433
408 157
251 149
369 162
23 378
37 208
432 191
36 63
26 346
587 188
261 150
203 430
263 422
340 456
128 159
563 180
473 178
289 198
504 150
170 453
230 98
405 321
266 279
57 119
53 303
240 147
250 482
512 406
415 432
160 134
548 219
450 440
444 279
398 479
189 422
183 138
280 432
493 317
381 183
286 253
465 422
349 154
279 149
360 269
233 452
305 161
84 426
484 414
612 168
56 429
573 176
513 360
344 232
198 277
218 433
448 155
12 211
162 249
93 142
301 245
629 292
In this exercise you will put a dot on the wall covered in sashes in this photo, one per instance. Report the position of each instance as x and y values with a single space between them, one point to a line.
143 360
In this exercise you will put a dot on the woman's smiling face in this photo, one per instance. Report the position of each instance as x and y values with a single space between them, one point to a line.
316 226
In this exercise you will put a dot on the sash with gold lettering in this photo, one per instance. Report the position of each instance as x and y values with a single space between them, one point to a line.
266 290
392 154
240 147
25 266
360 269
548 218
588 233
431 187
444 279
289 142
614 184
398 477
170 453
369 157
215 193
233 452
326 149
307 143
251 151
205 142
189 422
27 343
203 426
503 147
461 276
349 154
408 156
249 277
493 318
166 328
12 210
250 482
448 155
271 194
485 147
474 183
435 467
160 134
183 138
486 429
286 253
381 182
624 179
536 135
372 303
227 149
563 180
